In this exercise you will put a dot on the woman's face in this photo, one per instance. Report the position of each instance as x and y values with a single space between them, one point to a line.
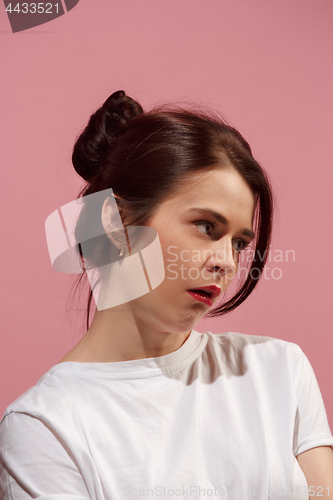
199 249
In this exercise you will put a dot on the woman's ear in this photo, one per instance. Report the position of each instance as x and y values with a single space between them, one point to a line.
112 223
120 205
110 216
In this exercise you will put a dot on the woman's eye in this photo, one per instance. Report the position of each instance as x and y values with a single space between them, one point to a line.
239 245
206 225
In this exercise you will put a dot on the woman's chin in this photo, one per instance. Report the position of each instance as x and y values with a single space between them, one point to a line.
188 320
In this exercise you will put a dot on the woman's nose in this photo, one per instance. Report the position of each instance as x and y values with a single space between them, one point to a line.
225 258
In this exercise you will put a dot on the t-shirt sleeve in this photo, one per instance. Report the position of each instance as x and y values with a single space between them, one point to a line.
35 464
311 425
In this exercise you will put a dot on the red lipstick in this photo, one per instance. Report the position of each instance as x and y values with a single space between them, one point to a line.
205 294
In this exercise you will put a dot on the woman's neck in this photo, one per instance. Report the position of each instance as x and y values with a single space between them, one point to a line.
118 335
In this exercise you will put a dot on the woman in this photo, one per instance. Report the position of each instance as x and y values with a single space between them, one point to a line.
144 405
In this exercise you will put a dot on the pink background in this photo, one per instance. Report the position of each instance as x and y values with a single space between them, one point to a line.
265 65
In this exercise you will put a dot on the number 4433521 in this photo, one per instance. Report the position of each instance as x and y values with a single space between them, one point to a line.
33 8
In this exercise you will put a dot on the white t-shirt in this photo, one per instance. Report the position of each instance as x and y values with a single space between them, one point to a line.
224 416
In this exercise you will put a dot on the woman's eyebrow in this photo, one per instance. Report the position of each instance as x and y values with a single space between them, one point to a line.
220 218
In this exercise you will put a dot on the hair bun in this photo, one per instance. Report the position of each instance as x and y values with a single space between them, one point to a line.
104 126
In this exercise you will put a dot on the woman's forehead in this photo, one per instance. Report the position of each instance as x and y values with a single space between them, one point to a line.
221 187
223 191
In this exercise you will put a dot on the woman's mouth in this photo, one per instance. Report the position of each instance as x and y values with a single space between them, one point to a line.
201 296
206 294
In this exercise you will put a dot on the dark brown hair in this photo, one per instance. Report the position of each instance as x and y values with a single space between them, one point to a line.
145 157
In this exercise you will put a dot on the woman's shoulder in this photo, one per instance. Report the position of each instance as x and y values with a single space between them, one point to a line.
47 396
235 347
238 340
